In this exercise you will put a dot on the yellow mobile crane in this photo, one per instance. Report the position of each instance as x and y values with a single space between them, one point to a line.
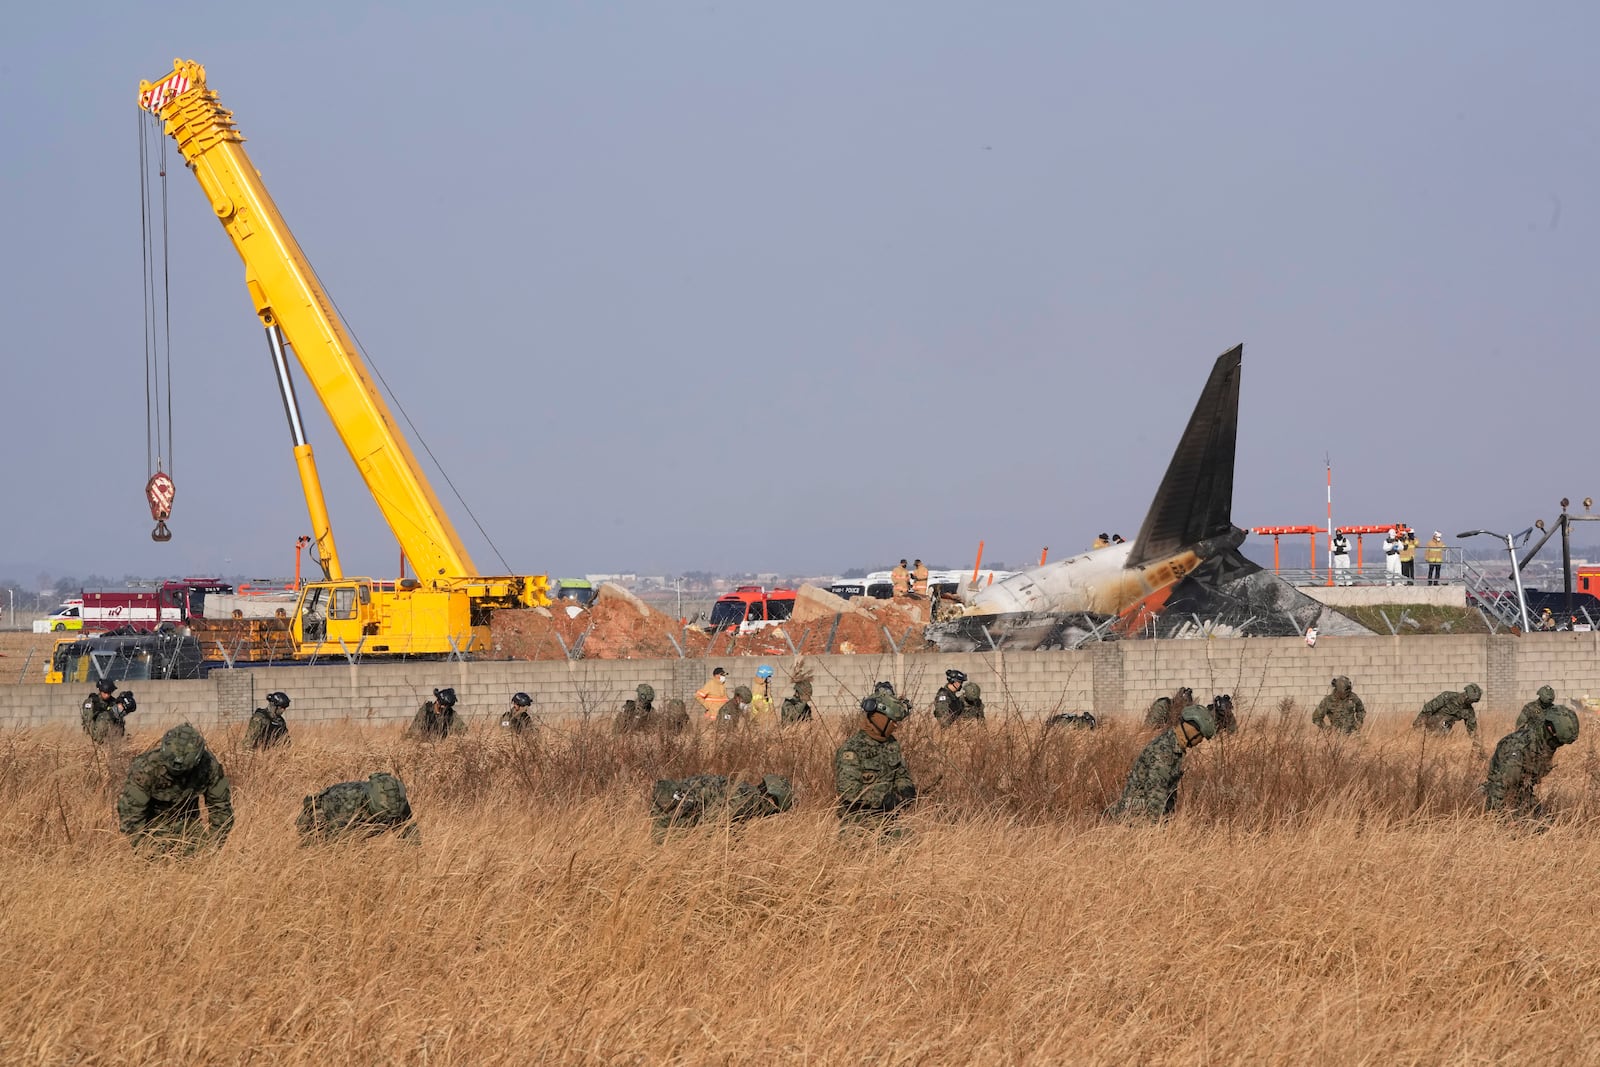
445 609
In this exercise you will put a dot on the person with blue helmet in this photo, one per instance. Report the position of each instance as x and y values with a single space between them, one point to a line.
761 696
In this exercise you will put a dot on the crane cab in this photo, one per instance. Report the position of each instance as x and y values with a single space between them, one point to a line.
352 615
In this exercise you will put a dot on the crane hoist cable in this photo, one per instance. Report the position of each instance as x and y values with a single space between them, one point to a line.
415 433
158 431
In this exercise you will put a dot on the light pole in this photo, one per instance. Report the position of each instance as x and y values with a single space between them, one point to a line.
1516 571
677 587
12 593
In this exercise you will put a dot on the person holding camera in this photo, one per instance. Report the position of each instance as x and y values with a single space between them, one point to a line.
104 715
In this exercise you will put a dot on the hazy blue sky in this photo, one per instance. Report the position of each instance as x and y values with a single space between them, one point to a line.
813 286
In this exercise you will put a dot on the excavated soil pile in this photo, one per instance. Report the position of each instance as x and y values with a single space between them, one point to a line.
615 626
625 628
533 633
620 626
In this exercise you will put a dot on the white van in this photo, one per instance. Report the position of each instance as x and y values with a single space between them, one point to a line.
879 586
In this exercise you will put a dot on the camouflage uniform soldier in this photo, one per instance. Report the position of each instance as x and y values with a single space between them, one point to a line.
1535 709
1151 792
947 703
1163 709
1523 758
516 717
798 707
1078 720
1341 709
1442 711
972 697
267 728
736 712
684 802
437 719
869 771
160 803
675 719
357 809
1221 709
104 716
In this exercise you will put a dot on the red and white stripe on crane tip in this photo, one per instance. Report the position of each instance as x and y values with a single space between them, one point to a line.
161 94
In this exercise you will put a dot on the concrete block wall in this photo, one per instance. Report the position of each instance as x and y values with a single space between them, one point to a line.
1392 675
1568 661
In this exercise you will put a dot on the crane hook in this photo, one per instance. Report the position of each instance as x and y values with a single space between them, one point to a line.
159 491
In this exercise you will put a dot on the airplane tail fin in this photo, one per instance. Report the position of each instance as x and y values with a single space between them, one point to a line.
1195 500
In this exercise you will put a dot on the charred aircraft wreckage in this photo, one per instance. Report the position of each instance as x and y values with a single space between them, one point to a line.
1182 576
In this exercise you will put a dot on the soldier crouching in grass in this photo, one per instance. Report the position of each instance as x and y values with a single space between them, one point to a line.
358 810
1151 792
1443 711
869 771
160 803
1523 758
683 802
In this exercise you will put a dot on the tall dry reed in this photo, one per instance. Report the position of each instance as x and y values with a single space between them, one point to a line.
1316 900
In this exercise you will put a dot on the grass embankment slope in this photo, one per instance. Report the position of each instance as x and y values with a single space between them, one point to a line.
1411 620
1316 900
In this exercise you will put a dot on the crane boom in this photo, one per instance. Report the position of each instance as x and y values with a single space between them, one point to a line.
448 598
288 295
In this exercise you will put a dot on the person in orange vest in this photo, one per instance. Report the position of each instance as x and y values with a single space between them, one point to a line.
919 581
1408 555
1100 542
901 579
1433 553
714 693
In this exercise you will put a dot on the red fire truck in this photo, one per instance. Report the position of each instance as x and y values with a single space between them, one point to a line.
174 602
750 607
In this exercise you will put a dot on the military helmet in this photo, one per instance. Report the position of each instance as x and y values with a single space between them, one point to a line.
1202 720
1472 692
386 796
894 709
973 690
521 700
1563 723
278 699
764 671
743 694
181 748
954 675
105 685
1547 696
646 691
447 697
885 687
803 687
1342 683
778 788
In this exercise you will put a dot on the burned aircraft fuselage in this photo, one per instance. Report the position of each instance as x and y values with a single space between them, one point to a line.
1101 582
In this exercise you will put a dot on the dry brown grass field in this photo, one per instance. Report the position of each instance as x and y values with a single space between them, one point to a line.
1315 900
